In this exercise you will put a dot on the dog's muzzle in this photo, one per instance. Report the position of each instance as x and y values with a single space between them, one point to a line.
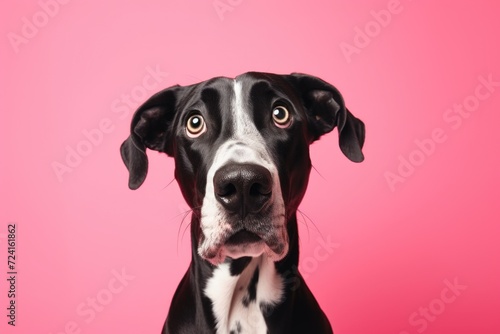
250 215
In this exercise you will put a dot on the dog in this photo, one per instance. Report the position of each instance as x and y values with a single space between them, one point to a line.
241 152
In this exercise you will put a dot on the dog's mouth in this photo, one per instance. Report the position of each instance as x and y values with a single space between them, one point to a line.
243 237
245 243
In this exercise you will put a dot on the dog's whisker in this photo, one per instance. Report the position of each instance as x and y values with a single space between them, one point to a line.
186 214
185 229
317 171
305 223
171 181
183 213
314 224
197 211
193 211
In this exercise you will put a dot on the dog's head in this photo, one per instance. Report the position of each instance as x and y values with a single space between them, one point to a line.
241 150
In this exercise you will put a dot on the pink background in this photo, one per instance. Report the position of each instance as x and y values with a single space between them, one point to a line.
395 246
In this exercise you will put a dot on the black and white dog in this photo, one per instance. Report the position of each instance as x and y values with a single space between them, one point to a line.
241 149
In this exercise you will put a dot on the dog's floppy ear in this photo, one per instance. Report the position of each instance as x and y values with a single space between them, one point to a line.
325 109
151 128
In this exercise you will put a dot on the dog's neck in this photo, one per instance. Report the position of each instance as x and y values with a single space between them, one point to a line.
242 293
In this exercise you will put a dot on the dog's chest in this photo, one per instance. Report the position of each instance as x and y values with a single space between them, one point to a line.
238 301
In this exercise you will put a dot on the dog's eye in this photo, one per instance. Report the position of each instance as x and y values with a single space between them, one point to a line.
195 126
281 117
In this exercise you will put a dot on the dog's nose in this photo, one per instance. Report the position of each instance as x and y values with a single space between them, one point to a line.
243 188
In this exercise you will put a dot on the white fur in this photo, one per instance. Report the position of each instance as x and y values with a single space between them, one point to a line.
227 293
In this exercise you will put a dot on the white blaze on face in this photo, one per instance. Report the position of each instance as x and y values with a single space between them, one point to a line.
246 145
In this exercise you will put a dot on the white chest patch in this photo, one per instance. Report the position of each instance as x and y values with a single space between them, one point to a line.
236 300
